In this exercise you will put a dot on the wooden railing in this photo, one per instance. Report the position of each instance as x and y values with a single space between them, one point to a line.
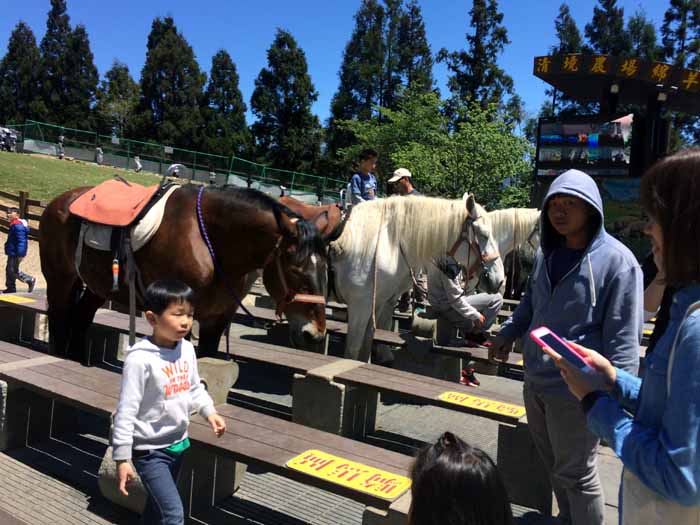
25 205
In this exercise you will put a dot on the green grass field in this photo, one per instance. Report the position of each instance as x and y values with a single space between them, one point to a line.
46 177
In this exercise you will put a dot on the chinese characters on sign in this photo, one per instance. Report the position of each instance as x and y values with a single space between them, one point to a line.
660 72
542 64
691 80
571 63
350 474
484 404
629 67
599 64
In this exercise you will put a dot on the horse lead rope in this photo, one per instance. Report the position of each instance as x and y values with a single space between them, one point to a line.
217 267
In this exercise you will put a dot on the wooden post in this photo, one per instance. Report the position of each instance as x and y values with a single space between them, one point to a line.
23 207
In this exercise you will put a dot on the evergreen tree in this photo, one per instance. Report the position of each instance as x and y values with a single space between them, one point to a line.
416 59
117 101
569 40
287 134
54 71
81 82
476 75
224 111
606 32
568 36
20 90
680 33
171 89
643 37
388 52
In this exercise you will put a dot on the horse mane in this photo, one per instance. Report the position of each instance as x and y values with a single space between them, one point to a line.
425 226
309 240
523 220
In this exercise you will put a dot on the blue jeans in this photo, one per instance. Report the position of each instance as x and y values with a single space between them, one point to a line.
158 471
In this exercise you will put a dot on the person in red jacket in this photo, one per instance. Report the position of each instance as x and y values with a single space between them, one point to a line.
16 250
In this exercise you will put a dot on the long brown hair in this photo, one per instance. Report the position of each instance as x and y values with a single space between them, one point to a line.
670 193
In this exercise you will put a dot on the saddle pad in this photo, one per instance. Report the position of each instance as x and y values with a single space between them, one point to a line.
113 202
98 236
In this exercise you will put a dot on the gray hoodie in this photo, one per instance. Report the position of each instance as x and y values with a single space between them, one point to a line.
598 304
160 388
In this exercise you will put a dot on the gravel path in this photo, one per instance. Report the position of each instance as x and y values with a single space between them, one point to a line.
30 265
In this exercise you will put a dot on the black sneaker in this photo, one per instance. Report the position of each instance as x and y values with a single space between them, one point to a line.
31 285
7 290
469 377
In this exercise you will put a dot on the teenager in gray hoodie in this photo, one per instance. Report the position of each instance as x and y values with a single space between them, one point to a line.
160 388
585 286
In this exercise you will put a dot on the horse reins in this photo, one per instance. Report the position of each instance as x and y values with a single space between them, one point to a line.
275 255
482 260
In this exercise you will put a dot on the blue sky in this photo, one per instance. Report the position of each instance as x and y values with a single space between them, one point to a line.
322 28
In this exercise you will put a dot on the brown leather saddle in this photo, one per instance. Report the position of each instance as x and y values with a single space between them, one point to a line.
114 202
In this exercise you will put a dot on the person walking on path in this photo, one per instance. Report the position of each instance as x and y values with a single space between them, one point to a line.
16 247
160 388
586 286
653 423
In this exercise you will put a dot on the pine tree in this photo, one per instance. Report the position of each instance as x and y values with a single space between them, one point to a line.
81 82
606 32
171 89
568 36
224 111
286 133
680 33
416 61
20 89
117 101
568 41
476 75
54 71
387 53
643 37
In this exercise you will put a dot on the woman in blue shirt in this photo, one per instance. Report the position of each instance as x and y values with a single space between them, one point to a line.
653 423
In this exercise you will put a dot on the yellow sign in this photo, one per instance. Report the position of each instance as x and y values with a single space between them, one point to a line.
600 64
629 67
16 299
350 474
660 72
690 81
571 63
542 64
482 403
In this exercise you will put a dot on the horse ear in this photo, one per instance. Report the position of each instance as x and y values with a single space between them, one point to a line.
470 202
289 227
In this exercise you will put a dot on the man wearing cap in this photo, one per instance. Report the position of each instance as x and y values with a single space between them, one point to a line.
403 183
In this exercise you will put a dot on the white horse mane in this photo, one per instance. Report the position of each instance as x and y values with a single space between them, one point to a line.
520 221
426 226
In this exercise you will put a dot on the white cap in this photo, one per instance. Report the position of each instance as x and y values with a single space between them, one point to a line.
399 174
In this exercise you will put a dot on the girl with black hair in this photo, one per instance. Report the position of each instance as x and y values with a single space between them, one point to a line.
456 484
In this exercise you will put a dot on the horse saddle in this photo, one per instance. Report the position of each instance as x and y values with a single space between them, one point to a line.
113 203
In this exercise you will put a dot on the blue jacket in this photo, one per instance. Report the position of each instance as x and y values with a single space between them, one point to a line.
16 243
364 187
660 443
598 304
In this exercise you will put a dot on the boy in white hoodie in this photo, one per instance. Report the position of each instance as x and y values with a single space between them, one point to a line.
160 388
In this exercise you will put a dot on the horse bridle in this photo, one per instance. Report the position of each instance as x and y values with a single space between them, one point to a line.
290 296
465 237
275 255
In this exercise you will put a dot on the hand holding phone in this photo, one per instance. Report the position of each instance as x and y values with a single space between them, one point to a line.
543 336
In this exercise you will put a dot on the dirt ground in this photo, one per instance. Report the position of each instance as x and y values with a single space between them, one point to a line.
30 265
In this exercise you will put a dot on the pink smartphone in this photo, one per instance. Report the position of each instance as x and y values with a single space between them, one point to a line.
543 336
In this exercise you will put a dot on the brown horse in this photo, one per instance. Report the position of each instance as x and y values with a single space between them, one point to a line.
313 213
247 230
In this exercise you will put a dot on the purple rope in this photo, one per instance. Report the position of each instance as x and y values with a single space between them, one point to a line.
217 268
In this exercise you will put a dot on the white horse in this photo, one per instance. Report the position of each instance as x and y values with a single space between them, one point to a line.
383 239
516 230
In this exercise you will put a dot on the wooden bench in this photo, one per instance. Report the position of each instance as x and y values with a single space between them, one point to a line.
43 397
279 332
